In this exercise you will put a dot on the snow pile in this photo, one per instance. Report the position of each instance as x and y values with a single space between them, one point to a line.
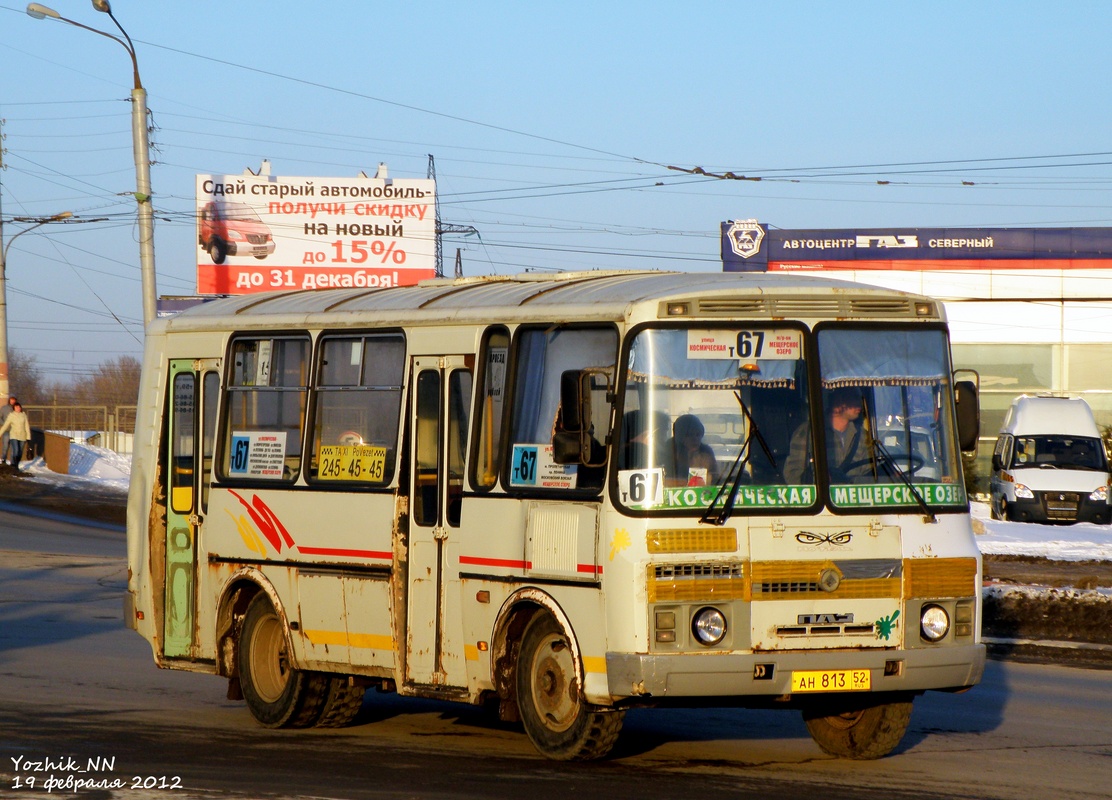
1080 542
97 463
93 469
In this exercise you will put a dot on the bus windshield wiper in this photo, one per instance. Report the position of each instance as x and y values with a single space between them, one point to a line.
737 470
882 455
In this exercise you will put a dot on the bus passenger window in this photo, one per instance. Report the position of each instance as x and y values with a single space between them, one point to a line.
266 400
492 374
459 409
358 403
427 451
542 357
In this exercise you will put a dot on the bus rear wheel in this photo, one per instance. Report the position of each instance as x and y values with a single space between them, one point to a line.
557 721
277 694
856 731
342 703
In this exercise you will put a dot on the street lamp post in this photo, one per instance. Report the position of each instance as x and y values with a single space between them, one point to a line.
141 148
5 386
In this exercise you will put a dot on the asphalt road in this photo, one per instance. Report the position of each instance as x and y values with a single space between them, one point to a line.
75 684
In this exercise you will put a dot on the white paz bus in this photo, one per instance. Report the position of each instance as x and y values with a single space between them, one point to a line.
567 495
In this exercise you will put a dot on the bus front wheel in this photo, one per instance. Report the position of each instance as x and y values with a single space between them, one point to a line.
277 694
859 732
556 719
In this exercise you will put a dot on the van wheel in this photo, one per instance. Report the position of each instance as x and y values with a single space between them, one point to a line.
277 695
218 251
556 720
853 731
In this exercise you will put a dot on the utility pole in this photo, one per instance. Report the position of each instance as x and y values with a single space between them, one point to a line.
141 150
445 227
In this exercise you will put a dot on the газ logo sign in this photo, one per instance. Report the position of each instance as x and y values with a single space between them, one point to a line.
745 237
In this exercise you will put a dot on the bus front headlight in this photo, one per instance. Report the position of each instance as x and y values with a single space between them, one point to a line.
934 623
709 626
1024 492
1100 495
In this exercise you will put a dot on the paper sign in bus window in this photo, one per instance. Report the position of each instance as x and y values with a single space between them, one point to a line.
257 454
532 465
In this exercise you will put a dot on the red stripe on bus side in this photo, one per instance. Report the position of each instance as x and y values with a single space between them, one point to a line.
337 551
509 563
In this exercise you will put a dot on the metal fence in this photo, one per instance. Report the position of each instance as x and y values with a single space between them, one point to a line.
111 427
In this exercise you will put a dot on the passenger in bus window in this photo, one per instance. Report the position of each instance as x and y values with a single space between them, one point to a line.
848 445
696 464
648 442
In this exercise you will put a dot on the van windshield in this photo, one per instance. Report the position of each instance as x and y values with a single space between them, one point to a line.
1059 452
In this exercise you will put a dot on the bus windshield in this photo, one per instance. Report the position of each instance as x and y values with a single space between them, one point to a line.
707 408
887 431
723 417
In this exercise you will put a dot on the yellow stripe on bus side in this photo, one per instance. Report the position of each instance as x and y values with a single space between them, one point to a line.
594 664
327 637
372 641
367 641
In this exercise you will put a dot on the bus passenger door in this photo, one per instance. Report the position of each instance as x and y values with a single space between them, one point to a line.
438 438
187 465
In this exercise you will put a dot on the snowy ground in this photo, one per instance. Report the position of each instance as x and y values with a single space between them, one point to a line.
104 471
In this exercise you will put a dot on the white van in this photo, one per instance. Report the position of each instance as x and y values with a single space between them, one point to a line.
1049 464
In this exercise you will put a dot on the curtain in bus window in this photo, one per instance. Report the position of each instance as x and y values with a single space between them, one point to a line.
543 357
870 357
663 356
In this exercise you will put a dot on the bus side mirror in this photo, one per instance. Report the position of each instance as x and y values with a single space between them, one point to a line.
969 415
575 404
573 426
997 464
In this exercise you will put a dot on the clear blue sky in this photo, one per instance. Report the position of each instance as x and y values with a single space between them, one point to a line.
552 126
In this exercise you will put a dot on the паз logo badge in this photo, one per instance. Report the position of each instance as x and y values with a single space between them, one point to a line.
745 237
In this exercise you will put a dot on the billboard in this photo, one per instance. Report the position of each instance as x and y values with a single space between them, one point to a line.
743 250
262 233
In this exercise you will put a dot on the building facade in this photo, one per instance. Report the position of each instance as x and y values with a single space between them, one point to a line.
1030 309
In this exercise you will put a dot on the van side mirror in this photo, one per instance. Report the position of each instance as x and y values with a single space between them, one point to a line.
997 463
969 415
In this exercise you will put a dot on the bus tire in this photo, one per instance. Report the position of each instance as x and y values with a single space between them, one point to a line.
341 703
859 732
277 695
557 721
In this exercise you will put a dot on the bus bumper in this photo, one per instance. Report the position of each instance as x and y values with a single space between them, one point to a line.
769 673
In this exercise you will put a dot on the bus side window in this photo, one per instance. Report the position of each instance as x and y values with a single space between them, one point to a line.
266 400
358 405
542 355
210 389
459 410
492 376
